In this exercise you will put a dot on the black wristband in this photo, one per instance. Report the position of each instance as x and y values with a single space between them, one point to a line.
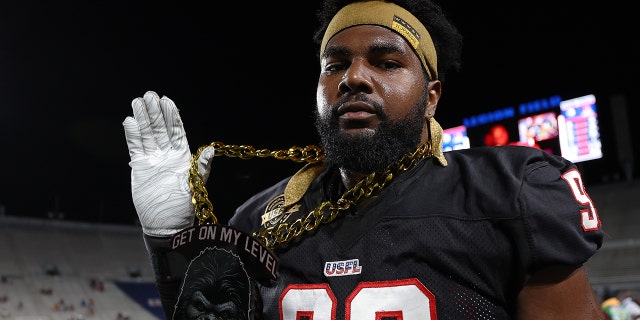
169 268
167 264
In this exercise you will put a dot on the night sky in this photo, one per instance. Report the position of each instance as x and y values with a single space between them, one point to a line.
246 74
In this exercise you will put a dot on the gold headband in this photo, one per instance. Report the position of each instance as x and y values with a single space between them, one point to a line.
436 133
388 15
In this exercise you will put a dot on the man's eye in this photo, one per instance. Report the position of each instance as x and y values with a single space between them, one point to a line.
332 67
390 65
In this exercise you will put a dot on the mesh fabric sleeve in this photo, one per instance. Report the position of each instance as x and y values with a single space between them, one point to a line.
563 223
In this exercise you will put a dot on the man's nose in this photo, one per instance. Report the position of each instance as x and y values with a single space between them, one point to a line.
357 78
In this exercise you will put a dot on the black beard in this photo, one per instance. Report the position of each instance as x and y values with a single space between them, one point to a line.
365 153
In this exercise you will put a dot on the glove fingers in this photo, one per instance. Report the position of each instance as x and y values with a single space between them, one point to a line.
156 120
175 129
204 162
134 138
141 116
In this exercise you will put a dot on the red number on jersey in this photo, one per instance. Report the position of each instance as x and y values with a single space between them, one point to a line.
590 220
406 299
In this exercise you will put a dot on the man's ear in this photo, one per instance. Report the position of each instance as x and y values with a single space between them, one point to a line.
434 90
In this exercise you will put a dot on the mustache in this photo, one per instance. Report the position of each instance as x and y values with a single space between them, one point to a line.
361 97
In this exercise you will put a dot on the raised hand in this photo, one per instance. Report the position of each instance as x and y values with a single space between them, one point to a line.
160 161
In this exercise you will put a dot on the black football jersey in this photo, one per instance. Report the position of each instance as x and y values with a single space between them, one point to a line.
439 242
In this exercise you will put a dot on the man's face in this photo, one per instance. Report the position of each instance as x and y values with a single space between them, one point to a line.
371 98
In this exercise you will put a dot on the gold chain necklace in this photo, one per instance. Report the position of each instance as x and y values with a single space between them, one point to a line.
325 212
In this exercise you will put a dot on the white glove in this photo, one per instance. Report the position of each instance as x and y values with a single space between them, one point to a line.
160 162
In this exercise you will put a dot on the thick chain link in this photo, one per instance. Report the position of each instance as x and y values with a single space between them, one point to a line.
203 207
325 212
